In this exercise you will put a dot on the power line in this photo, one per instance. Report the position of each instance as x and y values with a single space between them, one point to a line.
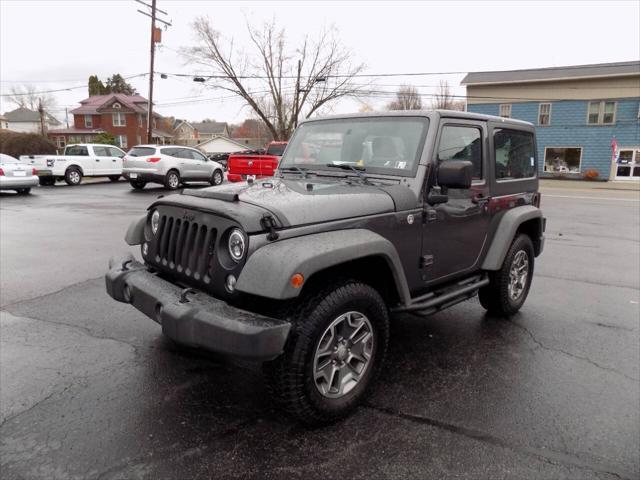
64 89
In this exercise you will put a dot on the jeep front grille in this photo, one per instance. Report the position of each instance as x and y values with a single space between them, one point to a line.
186 247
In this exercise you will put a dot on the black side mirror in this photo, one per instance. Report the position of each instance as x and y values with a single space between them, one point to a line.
455 174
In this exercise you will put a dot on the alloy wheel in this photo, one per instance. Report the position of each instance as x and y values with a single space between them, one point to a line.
518 274
343 354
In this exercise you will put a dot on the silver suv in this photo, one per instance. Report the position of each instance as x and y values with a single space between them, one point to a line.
169 165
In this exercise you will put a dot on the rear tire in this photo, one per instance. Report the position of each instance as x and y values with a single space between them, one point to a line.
47 181
172 180
114 178
73 176
137 184
217 178
336 346
509 286
23 191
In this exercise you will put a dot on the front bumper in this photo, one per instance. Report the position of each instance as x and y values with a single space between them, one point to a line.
9 183
194 318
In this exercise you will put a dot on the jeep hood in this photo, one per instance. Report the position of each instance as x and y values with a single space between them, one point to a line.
295 202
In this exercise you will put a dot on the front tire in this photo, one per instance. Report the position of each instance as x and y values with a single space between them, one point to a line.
336 346
172 180
73 176
217 178
509 286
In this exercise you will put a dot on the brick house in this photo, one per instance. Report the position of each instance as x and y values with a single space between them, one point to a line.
123 116
587 117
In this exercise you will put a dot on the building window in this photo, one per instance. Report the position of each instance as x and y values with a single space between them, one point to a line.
119 119
601 113
122 141
88 121
138 139
505 110
140 120
462 143
60 143
515 154
544 114
562 159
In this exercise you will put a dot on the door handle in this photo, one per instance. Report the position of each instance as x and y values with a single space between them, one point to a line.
97 159
479 199
113 160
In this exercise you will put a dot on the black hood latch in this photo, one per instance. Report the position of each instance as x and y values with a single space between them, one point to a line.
268 223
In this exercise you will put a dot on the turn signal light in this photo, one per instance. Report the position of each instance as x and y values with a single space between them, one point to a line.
34 171
1 172
296 280
153 159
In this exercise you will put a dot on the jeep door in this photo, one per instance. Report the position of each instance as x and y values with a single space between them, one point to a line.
455 231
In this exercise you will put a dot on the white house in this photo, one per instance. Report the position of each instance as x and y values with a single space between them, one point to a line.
4 124
221 144
28 121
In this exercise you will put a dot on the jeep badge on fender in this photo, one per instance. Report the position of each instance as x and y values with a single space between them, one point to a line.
367 216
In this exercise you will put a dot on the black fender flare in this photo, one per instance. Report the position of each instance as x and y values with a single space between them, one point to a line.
506 231
268 271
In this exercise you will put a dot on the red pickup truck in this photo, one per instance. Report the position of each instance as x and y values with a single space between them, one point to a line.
241 166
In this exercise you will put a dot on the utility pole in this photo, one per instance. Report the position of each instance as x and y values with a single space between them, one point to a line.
66 115
155 38
153 53
41 112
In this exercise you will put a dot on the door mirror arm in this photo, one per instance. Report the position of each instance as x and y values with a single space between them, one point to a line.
437 195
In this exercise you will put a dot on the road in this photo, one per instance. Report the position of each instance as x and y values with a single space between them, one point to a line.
90 389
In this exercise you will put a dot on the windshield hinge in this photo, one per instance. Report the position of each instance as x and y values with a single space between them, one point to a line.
268 223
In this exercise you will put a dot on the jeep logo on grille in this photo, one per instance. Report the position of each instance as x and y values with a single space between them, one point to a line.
189 217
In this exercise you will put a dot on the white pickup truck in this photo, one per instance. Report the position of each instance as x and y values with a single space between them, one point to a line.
80 160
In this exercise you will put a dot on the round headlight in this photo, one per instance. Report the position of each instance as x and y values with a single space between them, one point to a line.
155 221
236 245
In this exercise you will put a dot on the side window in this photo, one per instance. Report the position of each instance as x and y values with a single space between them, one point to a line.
462 143
101 151
198 156
171 152
515 154
77 150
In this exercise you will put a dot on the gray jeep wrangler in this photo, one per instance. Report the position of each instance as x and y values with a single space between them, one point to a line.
367 216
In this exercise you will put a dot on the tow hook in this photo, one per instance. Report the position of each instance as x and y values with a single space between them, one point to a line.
185 292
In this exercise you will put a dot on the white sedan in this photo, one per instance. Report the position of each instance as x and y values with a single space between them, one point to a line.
14 175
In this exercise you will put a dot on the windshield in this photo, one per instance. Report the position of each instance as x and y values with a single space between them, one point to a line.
388 145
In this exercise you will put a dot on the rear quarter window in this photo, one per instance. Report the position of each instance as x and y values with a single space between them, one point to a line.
514 154
141 152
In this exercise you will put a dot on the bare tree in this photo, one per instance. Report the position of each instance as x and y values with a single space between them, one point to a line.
27 96
280 84
407 98
444 99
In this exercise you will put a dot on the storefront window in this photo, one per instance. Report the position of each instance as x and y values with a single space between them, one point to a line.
562 159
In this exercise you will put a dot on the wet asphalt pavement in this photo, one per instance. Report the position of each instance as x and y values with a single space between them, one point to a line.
90 389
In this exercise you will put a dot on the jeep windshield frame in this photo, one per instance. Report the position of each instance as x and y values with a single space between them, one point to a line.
384 145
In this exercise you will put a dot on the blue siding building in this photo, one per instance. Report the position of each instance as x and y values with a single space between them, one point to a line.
587 117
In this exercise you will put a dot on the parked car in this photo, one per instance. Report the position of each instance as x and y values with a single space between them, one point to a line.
387 213
169 165
255 165
78 161
14 175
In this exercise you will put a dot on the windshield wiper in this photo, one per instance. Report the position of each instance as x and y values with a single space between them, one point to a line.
301 171
357 170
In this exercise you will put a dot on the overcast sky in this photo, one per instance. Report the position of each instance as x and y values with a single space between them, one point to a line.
58 44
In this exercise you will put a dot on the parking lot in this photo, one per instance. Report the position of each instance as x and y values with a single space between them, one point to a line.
90 389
